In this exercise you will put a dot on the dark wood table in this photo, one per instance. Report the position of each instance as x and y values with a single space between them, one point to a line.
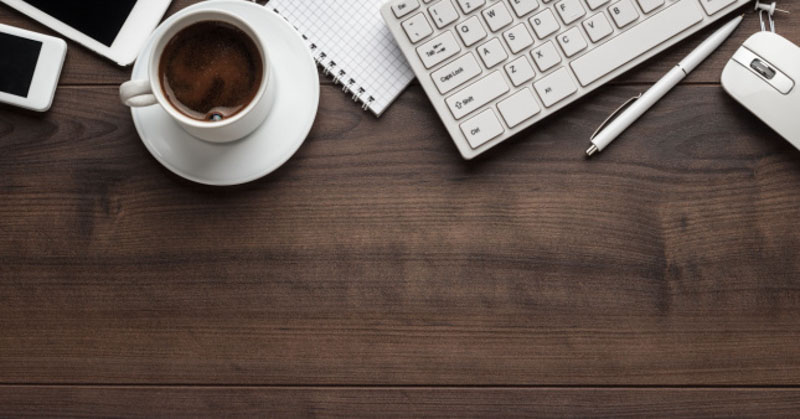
377 273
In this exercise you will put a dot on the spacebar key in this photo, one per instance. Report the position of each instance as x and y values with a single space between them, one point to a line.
636 41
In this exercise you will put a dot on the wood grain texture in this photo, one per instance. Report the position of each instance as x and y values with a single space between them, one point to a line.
189 402
377 257
388 260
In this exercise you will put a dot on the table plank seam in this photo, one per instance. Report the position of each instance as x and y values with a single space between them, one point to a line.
409 386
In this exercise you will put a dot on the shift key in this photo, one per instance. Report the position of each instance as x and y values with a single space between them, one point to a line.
476 95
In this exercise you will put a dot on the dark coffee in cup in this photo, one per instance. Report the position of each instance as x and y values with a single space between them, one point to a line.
210 70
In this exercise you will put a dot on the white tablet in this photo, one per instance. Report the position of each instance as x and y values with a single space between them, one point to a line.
116 29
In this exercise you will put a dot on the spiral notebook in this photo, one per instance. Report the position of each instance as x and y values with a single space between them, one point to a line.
351 43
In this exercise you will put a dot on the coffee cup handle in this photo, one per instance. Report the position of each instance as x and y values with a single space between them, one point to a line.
137 93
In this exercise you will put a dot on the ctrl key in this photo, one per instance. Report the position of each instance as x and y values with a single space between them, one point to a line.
481 128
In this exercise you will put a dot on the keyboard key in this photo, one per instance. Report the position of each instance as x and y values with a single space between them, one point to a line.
468 6
481 128
401 8
523 7
417 28
519 107
636 41
471 31
570 10
650 5
456 73
598 27
438 49
443 13
594 4
623 12
555 87
714 6
476 95
546 56
544 24
497 17
518 38
519 71
572 42
492 53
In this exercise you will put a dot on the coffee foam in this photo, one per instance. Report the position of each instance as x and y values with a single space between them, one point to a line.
211 70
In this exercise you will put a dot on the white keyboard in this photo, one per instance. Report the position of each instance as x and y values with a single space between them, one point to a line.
495 67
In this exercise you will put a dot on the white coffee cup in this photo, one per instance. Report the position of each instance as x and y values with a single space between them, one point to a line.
136 93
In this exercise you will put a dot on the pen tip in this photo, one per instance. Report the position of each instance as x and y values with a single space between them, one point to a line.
591 150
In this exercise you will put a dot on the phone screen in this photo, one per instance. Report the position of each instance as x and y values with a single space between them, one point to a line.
101 20
20 56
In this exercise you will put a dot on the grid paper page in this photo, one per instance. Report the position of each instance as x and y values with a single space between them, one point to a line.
354 44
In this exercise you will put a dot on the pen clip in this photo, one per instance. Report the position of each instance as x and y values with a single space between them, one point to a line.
614 115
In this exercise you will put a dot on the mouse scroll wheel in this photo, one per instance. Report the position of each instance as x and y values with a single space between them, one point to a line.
762 68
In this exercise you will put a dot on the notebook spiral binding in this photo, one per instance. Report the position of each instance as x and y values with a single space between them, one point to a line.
339 77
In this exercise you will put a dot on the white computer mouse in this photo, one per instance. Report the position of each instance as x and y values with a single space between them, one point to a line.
763 76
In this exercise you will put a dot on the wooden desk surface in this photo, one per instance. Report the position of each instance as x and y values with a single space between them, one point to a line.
378 273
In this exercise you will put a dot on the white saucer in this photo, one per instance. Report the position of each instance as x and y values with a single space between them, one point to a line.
270 145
